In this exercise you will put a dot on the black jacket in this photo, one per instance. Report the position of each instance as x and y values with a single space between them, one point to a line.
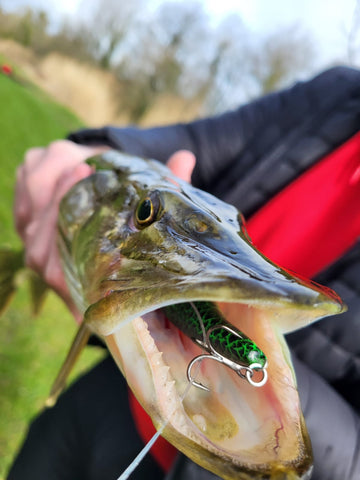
246 157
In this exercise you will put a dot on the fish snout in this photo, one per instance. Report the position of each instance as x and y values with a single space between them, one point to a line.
232 263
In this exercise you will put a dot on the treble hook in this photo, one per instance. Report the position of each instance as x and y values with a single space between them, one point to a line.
244 371
249 371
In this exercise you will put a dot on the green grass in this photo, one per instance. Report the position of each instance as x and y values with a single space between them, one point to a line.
27 119
31 349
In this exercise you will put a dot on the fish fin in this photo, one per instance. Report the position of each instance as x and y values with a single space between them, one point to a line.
79 342
105 315
11 262
38 290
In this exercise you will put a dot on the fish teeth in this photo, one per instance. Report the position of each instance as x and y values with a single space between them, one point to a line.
156 359
164 375
169 400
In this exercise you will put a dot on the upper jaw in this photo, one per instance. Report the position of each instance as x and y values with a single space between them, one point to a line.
260 283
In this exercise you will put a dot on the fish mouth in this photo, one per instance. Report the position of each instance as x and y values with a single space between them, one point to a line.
234 429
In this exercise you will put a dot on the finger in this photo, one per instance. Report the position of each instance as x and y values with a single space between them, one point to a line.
33 157
68 180
46 174
64 154
41 232
22 200
22 204
182 164
42 255
54 274
61 157
41 171
52 270
39 235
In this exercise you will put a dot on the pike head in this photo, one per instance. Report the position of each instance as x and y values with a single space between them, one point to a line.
133 239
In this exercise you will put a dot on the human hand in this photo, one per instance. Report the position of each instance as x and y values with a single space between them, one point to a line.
46 175
42 180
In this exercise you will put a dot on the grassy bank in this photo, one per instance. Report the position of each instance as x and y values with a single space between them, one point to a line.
31 349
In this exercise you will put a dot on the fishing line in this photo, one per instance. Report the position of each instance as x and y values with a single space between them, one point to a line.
145 450
200 321
142 454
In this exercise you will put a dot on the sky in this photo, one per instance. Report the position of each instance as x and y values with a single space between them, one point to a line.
327 21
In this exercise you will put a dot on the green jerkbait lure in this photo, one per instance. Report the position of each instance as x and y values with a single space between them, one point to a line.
225 339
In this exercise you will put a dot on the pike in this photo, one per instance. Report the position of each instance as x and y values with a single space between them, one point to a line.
139 246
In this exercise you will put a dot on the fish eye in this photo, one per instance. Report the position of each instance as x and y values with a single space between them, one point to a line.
147 210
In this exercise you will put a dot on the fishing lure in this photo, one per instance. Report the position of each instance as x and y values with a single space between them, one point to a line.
204 324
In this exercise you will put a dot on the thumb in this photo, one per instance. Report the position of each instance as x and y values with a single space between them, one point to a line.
182 164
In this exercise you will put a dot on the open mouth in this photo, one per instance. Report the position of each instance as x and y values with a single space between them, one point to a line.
234 426
233 429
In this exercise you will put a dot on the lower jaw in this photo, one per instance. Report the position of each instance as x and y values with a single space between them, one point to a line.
235 426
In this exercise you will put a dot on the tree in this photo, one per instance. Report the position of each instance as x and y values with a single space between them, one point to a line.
246 66
107 23
279 56
165 55
28 27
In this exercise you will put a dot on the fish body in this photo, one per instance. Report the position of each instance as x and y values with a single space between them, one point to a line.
135 240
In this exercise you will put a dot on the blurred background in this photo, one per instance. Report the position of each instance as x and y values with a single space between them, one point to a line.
73 63
149 61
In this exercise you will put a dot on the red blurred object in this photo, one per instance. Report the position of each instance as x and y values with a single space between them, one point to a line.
315 219
6 69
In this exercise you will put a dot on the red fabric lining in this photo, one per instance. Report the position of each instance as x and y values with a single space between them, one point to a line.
304 228
315 219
